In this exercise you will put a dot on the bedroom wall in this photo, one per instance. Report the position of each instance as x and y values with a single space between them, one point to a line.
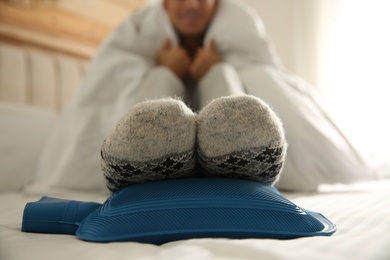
298 29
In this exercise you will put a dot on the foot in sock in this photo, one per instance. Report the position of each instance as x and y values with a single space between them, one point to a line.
240 137
155 140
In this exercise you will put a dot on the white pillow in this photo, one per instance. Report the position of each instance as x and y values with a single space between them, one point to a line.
23 130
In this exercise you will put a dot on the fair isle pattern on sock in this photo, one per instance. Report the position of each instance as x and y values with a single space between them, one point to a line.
240 137
120 173
154 140
260 164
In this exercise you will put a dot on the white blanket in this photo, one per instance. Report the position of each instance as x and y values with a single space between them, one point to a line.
318 152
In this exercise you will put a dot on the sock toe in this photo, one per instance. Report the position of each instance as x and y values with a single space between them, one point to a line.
240 137
155 140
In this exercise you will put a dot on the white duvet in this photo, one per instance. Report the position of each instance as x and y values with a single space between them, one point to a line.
318 152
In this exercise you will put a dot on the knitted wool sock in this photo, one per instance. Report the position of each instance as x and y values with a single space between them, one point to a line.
240 137
155 140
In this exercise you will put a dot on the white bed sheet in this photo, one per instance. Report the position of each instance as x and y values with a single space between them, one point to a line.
361 213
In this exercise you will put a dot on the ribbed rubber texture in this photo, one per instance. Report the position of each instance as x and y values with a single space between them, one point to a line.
56 216
160 212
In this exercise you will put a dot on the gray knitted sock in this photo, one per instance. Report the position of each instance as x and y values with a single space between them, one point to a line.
155 140
240 137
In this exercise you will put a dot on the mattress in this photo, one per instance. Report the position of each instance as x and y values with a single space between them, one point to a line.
360 211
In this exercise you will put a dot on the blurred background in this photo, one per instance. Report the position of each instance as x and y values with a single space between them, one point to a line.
340 47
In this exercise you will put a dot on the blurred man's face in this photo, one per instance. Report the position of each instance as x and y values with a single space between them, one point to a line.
190 17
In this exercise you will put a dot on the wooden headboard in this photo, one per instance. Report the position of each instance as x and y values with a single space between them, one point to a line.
34 77
45 46
73 27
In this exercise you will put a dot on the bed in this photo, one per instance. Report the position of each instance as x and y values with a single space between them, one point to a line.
35 87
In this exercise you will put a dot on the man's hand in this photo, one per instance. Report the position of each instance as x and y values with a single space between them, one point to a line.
204 60
174 58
